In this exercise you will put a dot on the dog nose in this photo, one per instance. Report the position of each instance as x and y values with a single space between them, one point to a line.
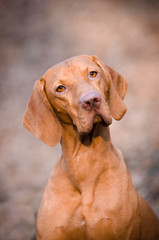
90 100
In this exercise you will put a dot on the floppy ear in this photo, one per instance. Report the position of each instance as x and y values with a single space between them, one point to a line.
117 90
39 117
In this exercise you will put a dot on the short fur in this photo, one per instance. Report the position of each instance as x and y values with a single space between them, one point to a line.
90 194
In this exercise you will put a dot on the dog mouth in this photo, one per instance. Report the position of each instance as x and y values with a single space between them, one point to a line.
93 119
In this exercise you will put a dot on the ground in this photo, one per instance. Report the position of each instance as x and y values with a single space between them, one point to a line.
34 35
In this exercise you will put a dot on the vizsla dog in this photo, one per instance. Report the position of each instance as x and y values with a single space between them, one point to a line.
90 195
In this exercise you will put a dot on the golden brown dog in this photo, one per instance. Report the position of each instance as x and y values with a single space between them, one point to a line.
90 194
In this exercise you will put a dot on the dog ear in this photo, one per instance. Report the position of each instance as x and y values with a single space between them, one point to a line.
39 117
118 90
118 86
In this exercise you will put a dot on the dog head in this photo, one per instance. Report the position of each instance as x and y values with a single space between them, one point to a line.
80 91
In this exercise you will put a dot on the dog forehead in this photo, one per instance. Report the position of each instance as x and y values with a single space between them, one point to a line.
81 62
73 66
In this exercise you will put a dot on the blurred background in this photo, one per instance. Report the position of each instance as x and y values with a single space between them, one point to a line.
34 35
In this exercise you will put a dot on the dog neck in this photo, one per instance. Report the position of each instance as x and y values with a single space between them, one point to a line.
85 156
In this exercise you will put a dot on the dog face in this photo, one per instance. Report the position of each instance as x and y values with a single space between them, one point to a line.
79 91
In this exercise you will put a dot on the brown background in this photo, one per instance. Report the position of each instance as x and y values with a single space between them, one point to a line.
34 35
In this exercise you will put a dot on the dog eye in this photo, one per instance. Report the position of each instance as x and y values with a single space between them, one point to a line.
93 74
60 88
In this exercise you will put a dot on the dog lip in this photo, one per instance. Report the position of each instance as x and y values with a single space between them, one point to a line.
96 117
100 116
102 119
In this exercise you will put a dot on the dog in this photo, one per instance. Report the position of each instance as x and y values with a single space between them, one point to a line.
89 195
